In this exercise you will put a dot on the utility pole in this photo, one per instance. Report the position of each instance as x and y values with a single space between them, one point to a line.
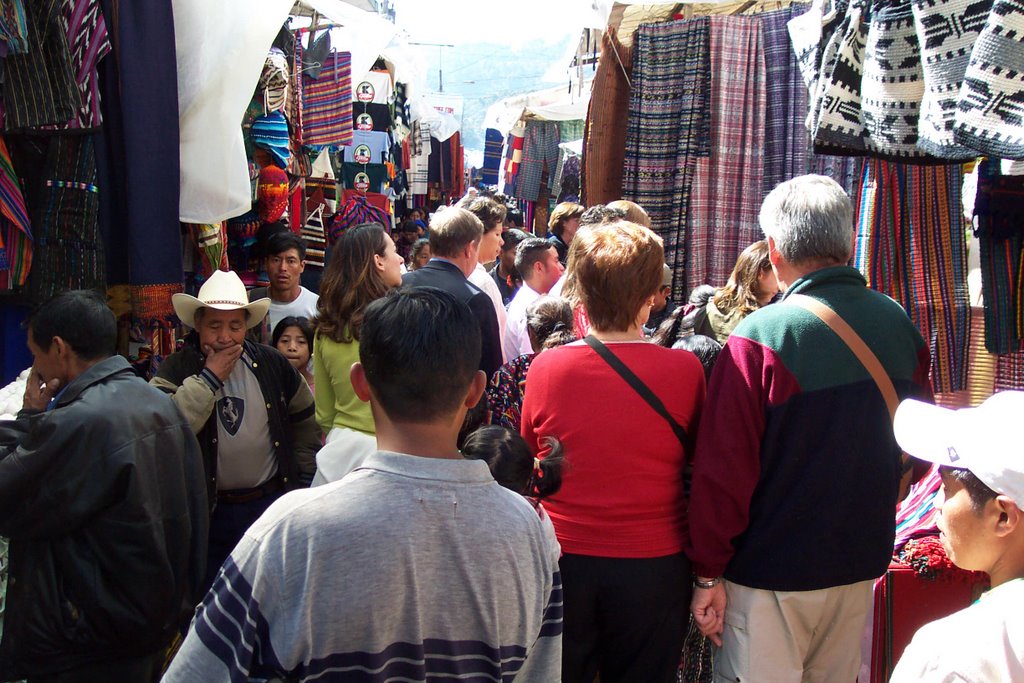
440 61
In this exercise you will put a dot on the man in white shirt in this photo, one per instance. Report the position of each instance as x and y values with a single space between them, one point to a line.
285 262
492 215
537 262
981 525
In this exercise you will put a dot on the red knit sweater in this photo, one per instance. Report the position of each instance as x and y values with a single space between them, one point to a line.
622 490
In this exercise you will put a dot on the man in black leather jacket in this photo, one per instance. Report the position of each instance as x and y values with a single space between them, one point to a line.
103 500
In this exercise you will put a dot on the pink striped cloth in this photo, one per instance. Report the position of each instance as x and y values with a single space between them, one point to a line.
727 188
327 103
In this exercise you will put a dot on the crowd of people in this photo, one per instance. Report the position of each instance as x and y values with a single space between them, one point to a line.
479 454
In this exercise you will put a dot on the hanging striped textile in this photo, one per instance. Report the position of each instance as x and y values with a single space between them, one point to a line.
493 141
68 252
295 85
911 245
728 185
327 103
981 371
786 141
669 128
15 228
1010 372
999 205
513 156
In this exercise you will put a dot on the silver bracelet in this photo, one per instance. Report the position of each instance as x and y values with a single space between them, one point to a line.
707 585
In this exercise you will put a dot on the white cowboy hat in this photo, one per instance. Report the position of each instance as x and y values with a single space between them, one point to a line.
224 291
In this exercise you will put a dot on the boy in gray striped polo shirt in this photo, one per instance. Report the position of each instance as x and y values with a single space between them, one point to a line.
414 567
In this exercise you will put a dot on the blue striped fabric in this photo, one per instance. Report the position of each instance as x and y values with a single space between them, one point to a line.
229 623
493 142
232 627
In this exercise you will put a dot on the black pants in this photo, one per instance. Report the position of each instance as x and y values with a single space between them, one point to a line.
624 618
138 670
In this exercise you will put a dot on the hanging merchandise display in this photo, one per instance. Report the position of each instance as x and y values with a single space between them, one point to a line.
999 207
272 193
604 136
327 103
15 228
911 246
669 128
893 83
540 156
917 81
990 114
786 144
727 186
493 143
946 32
270 132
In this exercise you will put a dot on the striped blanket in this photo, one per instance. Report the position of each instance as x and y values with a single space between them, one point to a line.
728 184
668 128
327 103
911 246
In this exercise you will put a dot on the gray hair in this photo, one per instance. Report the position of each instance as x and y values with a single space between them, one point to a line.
810 218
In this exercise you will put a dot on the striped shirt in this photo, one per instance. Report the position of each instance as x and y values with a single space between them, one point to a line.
408 569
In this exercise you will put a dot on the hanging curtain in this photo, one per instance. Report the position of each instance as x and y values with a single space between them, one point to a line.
912 246
668 129
728 184
786 142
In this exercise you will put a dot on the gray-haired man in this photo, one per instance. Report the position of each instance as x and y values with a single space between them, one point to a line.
796 467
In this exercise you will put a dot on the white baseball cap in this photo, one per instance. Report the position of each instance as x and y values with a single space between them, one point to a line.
986 440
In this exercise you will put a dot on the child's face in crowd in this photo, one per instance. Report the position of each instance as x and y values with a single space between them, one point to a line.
294 346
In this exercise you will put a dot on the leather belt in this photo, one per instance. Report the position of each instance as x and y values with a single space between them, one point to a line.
249 495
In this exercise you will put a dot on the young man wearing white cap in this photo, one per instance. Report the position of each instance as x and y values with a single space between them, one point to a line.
981 525
250 409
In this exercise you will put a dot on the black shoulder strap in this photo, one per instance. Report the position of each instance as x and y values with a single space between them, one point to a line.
645 392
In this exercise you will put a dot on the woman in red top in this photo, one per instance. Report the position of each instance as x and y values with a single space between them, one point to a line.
620 513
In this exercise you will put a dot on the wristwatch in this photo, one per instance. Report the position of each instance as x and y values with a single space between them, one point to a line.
706 585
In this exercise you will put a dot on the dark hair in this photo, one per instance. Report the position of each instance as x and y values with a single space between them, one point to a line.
282 241
420 349
417 247
490 212
350 282
977 490
549 322
293 321
515 217
81 318
409 226
704 347
512 237
512 464
670 330
530 251
601 213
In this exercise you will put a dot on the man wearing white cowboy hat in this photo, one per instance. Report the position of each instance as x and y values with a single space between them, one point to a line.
981 525
250 409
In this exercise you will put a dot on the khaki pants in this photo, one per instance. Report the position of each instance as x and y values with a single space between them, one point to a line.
793 636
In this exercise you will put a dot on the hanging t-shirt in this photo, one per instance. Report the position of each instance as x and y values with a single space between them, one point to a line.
364 177
368 117
245 451
374 87
368 147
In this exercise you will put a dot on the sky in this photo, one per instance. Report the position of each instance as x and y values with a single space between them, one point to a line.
462 21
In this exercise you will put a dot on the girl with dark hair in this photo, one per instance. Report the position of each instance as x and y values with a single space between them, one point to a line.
293 337
364 265
549 324
514 466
